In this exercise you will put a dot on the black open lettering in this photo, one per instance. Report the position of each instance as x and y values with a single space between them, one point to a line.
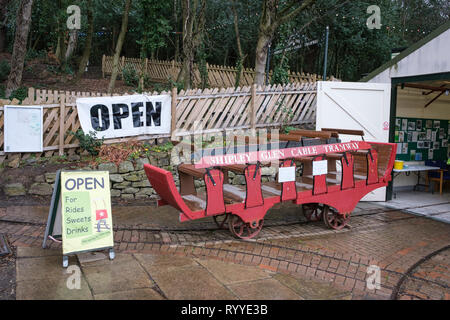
100 111
151 113
137 114
120 111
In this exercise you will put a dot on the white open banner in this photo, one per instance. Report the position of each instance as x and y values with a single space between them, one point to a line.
124 116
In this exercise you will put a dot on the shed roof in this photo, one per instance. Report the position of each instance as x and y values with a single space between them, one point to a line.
433 35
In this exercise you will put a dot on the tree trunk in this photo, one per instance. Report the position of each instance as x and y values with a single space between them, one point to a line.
240 64
271 18
73 41
120 40
23 22
261 58
87 46
3 21
177 37
193 28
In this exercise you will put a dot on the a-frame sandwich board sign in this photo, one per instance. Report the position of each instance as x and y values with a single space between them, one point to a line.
80 213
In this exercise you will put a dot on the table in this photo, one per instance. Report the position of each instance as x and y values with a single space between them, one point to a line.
416 169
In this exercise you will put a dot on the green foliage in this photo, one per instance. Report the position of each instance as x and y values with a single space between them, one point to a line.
239 67
178 85
33 54
281 73
130 77
166 147
88 142
4 70
19 94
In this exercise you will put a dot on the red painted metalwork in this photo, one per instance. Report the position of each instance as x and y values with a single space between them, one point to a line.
372 167
254 196
319 181
214 192
347 164
246 208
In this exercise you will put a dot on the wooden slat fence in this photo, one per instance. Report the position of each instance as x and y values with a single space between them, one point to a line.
218 76
214 110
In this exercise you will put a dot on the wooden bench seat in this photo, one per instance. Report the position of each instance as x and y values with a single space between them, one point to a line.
190 169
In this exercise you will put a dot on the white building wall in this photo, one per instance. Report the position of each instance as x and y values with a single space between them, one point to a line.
433 57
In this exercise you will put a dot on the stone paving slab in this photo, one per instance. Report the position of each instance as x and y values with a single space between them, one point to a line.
121 274
267 289
136 294
190 283
155 262
39 268
229 273
34 252
312 290
51 289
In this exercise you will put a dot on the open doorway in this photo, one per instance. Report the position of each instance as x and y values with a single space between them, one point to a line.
420 117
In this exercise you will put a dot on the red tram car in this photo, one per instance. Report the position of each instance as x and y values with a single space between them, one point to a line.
334 177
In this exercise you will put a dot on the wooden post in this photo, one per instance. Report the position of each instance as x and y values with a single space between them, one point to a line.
62 113
173 125
253 109
103 66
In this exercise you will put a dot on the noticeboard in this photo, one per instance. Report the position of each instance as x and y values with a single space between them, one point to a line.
421 139
23 129
80 213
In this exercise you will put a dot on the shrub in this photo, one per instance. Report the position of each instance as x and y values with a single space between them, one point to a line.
88 142
130 77
19 94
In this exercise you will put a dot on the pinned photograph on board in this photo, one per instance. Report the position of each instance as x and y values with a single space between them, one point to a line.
437 124
411 125
430 154
429 123
404 124
426 144
444 143
422 136
404 148
398 124
418 156
419 125
436 145
412 155
409 136
401 136
428 134
420 145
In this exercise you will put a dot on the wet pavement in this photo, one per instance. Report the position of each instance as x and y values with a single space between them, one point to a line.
160 258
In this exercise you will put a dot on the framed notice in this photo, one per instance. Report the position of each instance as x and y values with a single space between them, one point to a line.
23 129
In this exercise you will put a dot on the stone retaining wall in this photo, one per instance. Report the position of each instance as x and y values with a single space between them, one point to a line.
128 179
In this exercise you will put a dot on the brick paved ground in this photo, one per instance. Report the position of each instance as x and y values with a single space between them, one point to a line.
393 240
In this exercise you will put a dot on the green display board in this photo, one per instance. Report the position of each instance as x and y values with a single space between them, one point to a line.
421 139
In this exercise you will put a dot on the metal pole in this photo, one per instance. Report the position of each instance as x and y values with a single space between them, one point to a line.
268 66
326 56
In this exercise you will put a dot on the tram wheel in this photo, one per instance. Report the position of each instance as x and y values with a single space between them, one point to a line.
333 219
244 230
